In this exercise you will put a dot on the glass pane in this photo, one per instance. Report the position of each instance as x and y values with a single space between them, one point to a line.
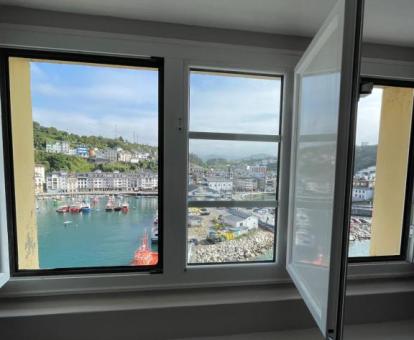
231 235
232 170
380 172
88 194
318 81
234 103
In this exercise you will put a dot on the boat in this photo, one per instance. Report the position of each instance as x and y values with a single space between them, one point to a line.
86 208
144 256
154 234
125 207
118 207
63 209
75 208
67 222
110 205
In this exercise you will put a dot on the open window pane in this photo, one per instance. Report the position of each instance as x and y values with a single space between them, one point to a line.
85 164
234 103
231 235
325 88
232 170
380 172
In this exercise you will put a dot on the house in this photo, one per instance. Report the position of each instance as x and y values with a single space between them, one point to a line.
39 178
219 184
250 222
58 147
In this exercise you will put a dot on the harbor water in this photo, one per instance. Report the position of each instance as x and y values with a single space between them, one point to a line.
95 239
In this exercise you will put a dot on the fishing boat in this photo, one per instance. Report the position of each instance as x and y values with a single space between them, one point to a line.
86 208
144 256
154 234
75 208
110 205
125 207
118 207
63 209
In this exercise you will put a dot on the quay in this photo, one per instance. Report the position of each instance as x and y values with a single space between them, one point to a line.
98 193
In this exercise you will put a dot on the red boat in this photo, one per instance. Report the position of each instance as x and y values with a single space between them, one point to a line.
76 208
63 209
125 207
144 256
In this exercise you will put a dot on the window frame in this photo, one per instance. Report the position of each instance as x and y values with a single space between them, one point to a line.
409 191
155 63
237 137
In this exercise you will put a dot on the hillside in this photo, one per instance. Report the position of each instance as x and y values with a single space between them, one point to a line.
57 161
365 156
43 135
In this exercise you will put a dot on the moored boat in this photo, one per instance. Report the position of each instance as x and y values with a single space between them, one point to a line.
125 207
86 208
63 209
109 205
75 208
154 234
144 256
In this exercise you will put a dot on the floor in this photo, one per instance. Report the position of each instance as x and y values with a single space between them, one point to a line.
402 330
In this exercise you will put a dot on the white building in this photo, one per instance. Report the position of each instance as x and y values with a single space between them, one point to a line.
124 156
219 184
250 222
245 184
362 193
58 147
149 182
39 178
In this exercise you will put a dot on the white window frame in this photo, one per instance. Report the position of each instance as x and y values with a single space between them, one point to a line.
179 55
237 137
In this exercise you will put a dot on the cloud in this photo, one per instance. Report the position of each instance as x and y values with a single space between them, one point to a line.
368 118
234 104
94 100
144 128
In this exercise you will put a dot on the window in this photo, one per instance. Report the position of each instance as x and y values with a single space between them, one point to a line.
233 166
84 139
381 187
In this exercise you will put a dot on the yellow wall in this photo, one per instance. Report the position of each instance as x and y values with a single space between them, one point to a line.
391 172
23 158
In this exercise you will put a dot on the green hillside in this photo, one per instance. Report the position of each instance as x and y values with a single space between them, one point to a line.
57 161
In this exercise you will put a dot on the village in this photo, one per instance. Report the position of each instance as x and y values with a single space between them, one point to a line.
66 182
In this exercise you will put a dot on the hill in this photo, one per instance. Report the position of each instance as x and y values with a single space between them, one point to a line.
58 161
43 135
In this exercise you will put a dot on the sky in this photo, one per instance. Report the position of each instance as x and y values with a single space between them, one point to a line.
96 100
234 104
109 101
368 118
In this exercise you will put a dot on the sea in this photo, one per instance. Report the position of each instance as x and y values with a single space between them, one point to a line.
95 239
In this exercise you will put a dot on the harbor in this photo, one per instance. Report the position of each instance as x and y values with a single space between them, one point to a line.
95 238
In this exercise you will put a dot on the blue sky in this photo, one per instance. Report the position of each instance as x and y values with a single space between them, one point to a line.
91 100
233 104
109 101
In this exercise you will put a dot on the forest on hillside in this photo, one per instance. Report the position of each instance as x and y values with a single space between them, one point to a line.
58 161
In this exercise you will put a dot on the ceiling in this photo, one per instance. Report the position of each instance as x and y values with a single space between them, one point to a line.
386 21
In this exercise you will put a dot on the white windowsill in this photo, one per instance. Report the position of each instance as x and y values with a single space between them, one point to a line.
190 297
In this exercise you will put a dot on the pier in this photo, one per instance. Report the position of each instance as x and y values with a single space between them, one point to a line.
98 193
